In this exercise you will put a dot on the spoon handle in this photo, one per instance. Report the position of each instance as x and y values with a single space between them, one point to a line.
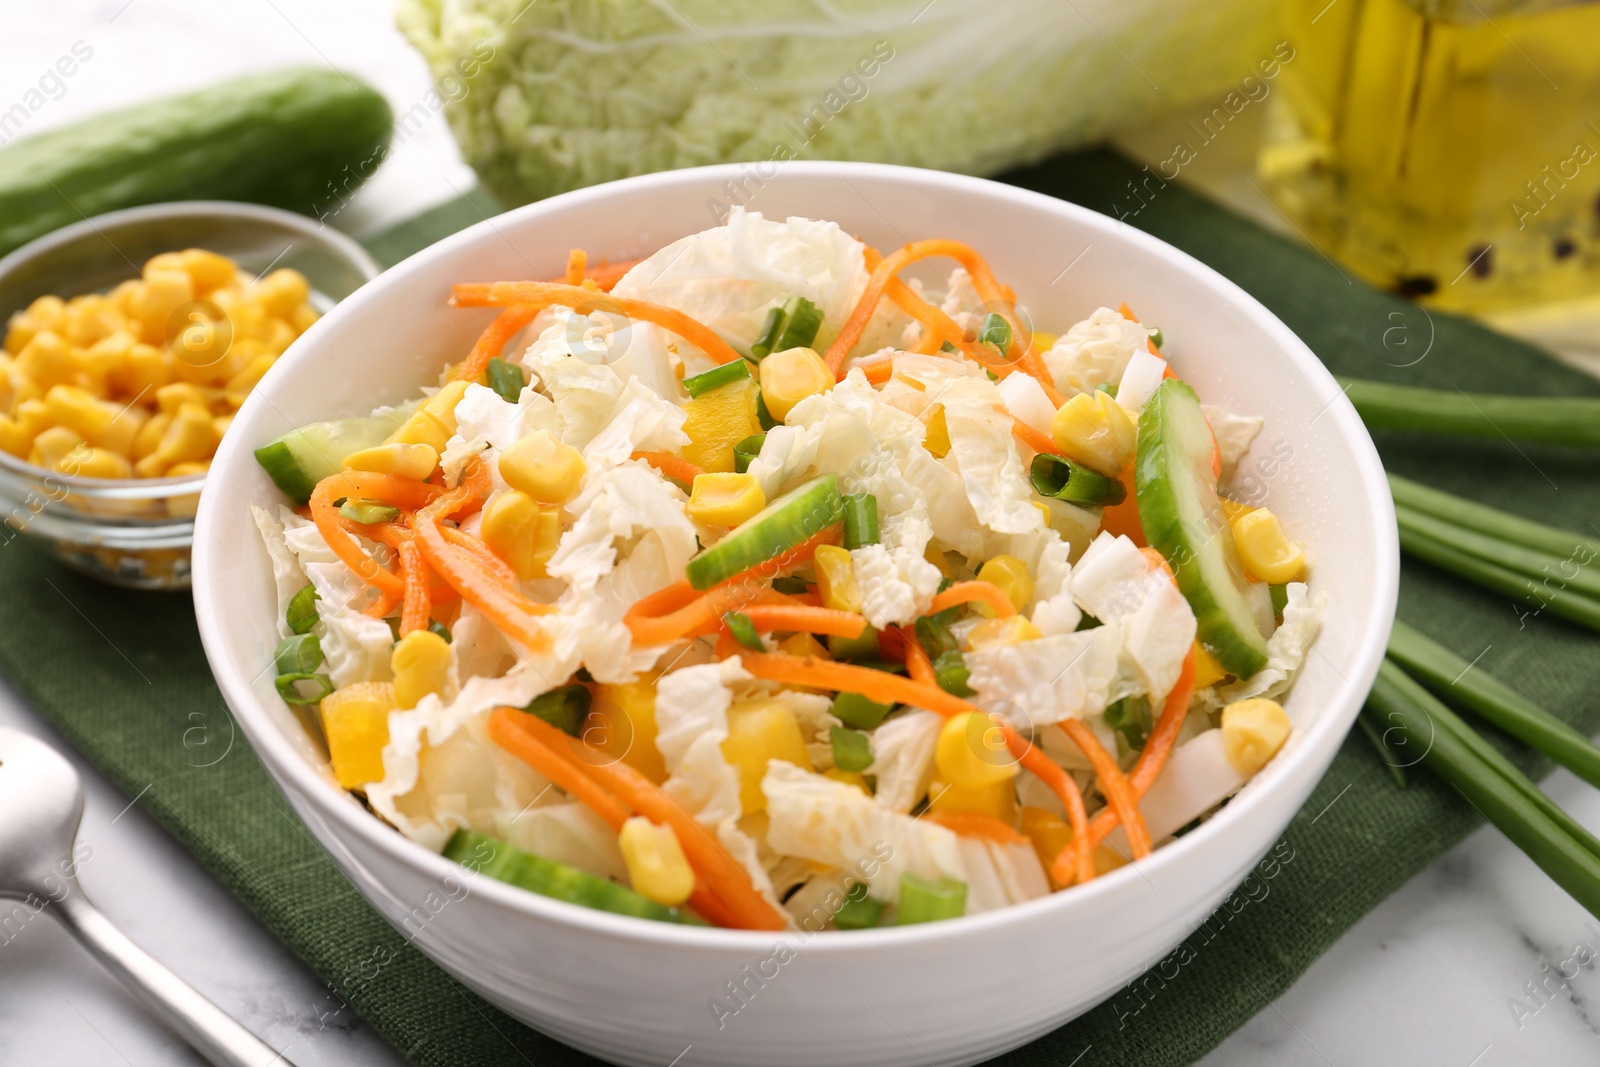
206 1027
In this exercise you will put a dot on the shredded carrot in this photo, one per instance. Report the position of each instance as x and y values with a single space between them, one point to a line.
1122 520
607 275
675 467
506 325
416 607
800 618
513 731
347 548
510 612
1033 438
972 824
877 371
1113 783
509 729
484 555
585 301
1081 867
1157 561
679 610
975 590
724 877
1157 747
577 261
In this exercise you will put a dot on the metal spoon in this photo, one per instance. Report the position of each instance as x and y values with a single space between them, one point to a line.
41 803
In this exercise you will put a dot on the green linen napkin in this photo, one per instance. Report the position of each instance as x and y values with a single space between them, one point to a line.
121 675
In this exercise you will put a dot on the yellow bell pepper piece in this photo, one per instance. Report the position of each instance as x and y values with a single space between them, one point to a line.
759 731
355 721
724 499
421 664
971 752
717 420
622 723
836 579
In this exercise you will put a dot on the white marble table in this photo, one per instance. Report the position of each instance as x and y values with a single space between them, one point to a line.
1427 978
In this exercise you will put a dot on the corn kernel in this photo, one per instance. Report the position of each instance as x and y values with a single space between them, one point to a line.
222 423
281 292
1048 832
657 867
404 461
715 421
442 405
1093 429
836 579
169 398
1265 552
87 462
355 721
622 724
145 371
51 446
304 317
208 270
239 386
1010 575
724 499
14 439
164 292
190 436
78 410
543 467
971 752
421 664
790 376
938 559
937 439
434 422
998 801
521 532
189 467
803 645
1252 733
1207 671
102 359
46 360
89 318
759 731
148 439
1011 630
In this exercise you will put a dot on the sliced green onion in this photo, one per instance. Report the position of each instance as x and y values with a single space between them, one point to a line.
289 687
793 325
788 583
859 911
860 519
1564 850
924 900
855 710
995 331
1053 476
1109 388
1280 598
562 708
743 630
1130 717
368 512
1535 563
505 379
1155 337
851 749
763 416
950 671
1492 521
1572 606
1554 419
887 666
747 450
852 648
724 374
771 330
301 615
437 627
1451 676
1373 731
300 654
933 634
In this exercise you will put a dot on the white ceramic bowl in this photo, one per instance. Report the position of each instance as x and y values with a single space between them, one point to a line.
947 993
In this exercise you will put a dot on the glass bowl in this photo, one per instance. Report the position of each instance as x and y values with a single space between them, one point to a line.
137 532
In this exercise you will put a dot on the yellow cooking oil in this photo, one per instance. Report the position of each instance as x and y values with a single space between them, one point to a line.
1448 150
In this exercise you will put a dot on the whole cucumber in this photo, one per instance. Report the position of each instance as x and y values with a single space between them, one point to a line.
301 138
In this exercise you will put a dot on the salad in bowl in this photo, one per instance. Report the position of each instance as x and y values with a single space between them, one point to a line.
774 581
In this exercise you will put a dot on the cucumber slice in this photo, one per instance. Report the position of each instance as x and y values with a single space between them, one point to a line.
301 458
1178 508
776 528
485 855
